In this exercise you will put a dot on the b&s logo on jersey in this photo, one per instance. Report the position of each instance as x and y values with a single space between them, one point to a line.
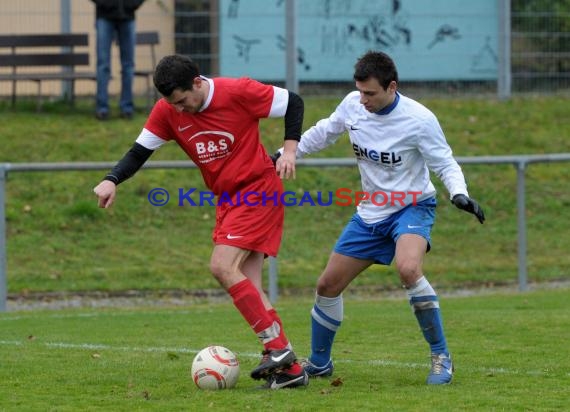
211 145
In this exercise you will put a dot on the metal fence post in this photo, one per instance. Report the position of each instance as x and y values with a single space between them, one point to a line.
521 225
291 79
3 277
273 289
65 23
504 74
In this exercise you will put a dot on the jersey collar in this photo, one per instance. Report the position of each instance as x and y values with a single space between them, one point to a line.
391 106
210 93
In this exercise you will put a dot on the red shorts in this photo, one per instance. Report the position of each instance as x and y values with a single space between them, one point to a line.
253 218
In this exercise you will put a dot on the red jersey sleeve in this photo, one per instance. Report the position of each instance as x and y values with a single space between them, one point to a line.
255 97
160 120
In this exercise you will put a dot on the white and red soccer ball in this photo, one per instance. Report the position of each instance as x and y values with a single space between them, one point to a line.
215 367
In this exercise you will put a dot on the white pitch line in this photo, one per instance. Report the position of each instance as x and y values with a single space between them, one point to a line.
90 315
483 370
163 349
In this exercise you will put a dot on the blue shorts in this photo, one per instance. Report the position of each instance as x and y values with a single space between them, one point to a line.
377 241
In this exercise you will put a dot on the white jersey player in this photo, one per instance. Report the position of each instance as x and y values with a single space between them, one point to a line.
392 148
396 141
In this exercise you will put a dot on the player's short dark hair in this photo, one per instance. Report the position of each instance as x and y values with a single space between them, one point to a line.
175 72
377 65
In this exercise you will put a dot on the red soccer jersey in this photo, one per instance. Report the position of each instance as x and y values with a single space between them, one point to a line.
223 138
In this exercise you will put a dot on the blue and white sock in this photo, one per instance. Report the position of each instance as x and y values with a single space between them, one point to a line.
326 317
425 305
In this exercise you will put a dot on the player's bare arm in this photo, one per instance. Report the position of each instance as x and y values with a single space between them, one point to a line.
125 168
105 192
285 164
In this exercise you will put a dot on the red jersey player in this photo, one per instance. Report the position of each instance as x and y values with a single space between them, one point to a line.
216 122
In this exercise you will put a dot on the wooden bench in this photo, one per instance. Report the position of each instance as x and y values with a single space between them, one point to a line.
45 50
151 39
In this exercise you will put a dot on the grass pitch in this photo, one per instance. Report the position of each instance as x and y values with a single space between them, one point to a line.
510 351
58 240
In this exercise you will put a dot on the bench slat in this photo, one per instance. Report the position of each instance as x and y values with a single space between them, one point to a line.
44 40
49 76
44 59
147 38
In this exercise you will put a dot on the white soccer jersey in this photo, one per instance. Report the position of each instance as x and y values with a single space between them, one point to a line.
395 151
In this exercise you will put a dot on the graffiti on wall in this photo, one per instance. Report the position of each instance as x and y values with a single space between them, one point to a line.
436 40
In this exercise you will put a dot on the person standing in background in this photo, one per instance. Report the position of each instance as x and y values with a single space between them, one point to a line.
115 19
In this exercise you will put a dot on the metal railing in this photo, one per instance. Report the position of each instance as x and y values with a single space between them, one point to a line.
520 162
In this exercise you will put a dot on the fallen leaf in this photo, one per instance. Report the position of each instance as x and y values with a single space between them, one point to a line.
337 382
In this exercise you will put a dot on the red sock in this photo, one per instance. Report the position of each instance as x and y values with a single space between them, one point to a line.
295 369
248 301
273 314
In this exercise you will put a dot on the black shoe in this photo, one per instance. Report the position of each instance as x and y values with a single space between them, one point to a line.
102 115
281 380
127 115
272 361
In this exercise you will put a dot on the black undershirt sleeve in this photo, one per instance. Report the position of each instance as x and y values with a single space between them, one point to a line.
294 117
131 162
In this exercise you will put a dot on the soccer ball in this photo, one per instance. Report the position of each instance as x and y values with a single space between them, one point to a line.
215 367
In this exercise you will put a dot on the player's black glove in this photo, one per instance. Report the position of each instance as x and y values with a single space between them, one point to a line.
469 205
274 157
